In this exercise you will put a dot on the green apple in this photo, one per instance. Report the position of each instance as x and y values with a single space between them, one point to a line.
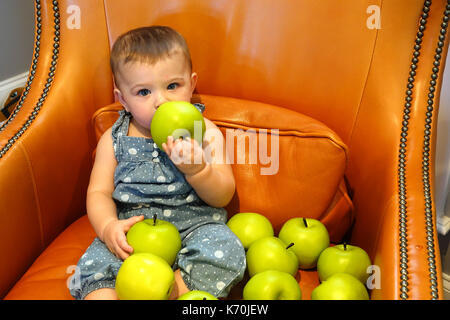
197 295
272 285
249 227
310 237
271 253
144 276
155 236
343 258
177 119
340 286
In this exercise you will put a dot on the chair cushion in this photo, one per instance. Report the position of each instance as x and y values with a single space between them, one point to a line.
47 277
316 175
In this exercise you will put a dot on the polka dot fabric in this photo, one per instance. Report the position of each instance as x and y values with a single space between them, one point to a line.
147 183
209 259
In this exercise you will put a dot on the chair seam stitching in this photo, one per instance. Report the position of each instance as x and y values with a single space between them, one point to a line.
35 191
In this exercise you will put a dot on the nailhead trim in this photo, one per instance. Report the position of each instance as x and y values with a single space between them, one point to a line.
403 213
50 78
429 218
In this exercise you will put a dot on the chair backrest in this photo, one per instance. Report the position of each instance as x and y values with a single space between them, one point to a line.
293 54
349 64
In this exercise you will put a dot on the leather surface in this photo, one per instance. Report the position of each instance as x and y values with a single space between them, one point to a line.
47 278
50 178
315 58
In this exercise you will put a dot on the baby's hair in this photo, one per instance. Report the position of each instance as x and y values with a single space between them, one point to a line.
147 45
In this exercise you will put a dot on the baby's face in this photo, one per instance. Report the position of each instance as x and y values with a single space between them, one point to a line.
144 87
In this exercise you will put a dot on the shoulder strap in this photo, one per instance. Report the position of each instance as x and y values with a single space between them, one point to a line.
200 107
120 127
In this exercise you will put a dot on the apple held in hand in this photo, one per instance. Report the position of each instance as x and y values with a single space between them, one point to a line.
343 258
272 285
310 237
340 286
270 253
249 227
177 119
197 295
155 236
144 276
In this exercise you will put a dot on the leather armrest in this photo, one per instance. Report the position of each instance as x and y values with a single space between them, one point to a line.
46 144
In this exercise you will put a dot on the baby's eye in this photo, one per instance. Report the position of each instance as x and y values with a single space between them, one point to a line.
143 92
172 86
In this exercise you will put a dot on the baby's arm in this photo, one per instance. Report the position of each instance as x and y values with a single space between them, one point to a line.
100 205
213 179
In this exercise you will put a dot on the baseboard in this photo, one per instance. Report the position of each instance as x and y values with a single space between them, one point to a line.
9 84
446 280
443 224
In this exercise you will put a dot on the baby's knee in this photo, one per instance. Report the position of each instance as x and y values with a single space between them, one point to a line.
212 259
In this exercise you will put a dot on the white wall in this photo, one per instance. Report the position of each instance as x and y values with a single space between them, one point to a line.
16 43
16 36
442 172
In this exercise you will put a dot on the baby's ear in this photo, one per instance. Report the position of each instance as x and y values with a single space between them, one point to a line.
119 97
193 81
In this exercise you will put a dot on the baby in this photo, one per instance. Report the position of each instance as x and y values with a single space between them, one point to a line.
133 179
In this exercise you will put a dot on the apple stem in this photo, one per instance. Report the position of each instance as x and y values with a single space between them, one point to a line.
154 219
304 221
345 245
290 245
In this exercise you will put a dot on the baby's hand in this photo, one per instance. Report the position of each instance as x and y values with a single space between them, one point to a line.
186 154
115 239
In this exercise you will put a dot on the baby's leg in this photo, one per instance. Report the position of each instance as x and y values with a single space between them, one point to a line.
96 270
179 287
212 259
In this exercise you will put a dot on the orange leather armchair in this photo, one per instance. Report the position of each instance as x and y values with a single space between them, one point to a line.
352 86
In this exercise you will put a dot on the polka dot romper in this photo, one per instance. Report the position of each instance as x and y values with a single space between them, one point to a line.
147 183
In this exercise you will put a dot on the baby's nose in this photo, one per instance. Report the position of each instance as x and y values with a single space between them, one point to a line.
161 100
